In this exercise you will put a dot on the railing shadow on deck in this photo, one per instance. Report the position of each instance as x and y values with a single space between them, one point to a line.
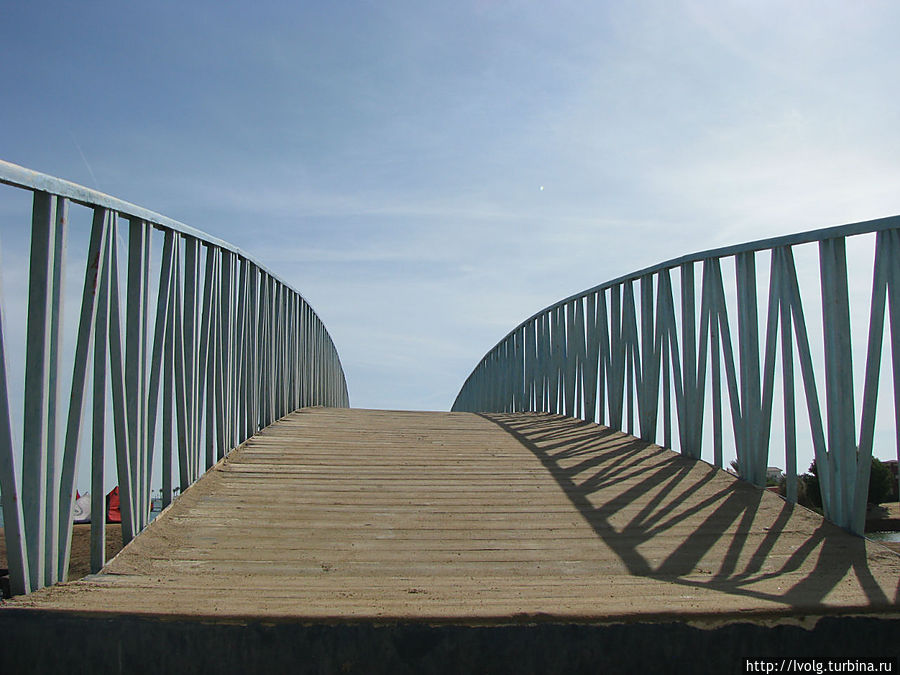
587 460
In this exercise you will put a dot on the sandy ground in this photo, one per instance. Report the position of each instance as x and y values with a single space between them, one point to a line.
890 510
887 517
80 564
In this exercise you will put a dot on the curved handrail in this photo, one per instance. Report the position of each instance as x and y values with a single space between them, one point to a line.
603 356
226 349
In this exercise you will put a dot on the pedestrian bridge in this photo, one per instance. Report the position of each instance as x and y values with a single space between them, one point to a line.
542 514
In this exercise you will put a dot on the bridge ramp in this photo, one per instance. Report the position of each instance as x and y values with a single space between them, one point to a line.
446 516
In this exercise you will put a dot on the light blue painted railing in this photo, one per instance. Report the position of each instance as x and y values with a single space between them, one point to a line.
226 349
625 352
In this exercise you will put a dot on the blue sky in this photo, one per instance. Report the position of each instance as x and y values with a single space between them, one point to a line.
388 158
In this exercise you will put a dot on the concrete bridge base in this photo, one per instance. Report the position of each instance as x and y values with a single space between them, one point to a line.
57 642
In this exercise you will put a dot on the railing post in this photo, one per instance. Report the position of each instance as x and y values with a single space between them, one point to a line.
14 523
136 361
692 380
648 384
840 413
98 414
39 445
191 361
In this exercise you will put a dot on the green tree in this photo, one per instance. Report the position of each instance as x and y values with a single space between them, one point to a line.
811 486
880 483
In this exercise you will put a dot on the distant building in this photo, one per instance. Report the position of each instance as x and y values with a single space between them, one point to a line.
773 473
892 465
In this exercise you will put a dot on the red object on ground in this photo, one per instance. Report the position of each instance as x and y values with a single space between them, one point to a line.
113 514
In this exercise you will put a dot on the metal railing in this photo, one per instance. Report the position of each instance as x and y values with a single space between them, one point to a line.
610 356
226 349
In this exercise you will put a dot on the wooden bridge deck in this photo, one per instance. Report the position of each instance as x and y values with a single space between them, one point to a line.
333 514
